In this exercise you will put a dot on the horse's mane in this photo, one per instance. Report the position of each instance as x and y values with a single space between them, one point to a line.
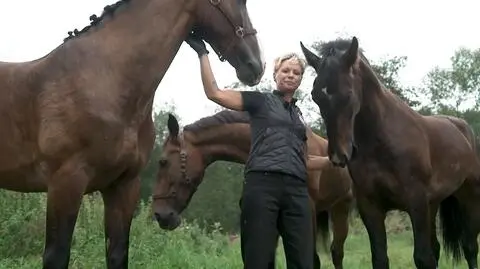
337 47
220 118
108 10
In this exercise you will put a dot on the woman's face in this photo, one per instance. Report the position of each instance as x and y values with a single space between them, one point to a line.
289 76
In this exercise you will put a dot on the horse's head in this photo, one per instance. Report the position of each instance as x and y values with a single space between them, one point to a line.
226 26
337 90
181 170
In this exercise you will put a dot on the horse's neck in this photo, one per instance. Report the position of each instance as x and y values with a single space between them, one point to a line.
224 143
374 103
133 48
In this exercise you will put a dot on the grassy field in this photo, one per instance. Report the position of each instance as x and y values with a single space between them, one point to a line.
21 233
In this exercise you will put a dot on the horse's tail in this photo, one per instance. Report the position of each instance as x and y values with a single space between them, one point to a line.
453 223
323 228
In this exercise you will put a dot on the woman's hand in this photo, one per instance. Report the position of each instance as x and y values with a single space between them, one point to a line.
316 162
197 44
227 98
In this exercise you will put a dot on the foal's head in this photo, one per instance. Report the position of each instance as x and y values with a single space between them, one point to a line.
337 90
226 26
175 185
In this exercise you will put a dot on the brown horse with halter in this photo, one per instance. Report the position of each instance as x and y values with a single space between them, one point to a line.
226 136
397 158
79 119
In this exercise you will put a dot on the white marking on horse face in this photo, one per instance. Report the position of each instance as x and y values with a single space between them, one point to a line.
324 90
335 158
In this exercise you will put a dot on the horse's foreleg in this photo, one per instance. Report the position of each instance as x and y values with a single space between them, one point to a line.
339 214
433 232
373 217
419 212
120 201
469 239
64 197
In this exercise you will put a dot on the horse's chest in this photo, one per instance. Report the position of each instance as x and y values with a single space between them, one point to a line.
373 178
126 150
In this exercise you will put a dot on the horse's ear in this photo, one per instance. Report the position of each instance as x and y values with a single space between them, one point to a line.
312 59
351 56
172 124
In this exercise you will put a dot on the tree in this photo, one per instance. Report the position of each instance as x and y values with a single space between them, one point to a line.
387 71
456 88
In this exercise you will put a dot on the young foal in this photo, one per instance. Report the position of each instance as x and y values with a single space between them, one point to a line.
79 119
226 136
398 159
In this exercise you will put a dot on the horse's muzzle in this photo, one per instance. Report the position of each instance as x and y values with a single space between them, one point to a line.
342 157
168 220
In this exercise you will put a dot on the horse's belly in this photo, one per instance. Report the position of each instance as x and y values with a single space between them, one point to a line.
26 178
447 179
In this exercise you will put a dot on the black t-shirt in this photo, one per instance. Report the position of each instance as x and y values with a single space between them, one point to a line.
252 101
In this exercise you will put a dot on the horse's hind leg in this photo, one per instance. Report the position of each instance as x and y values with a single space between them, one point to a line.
470 203
120 201
373 217
339 215
460 220
65 192
470 249
469 239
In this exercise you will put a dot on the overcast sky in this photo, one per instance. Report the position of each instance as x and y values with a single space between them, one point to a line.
426 31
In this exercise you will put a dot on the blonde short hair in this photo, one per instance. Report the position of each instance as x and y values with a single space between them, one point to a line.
289 57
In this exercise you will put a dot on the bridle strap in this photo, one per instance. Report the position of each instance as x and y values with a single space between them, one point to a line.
239 29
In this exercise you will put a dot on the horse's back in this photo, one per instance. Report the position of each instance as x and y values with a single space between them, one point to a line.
463 127
451 132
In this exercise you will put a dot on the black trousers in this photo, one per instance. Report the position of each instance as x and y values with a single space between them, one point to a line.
274 204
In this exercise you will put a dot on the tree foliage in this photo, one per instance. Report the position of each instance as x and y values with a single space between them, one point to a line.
458 87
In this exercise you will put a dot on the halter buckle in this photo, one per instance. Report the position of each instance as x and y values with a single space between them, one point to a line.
239 31
215 2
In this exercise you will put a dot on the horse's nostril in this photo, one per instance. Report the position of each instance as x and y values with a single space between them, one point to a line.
170 214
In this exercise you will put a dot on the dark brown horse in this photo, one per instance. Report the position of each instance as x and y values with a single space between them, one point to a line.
398 159
79 119
226 136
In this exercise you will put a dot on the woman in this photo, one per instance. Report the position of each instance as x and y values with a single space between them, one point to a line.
275 196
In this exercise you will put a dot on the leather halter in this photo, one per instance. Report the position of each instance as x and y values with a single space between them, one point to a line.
239 29
185 179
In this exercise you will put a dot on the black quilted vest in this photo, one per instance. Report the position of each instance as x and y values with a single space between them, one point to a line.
278 138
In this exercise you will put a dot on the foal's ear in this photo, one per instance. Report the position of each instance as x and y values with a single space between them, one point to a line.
172 124
312 59
351 55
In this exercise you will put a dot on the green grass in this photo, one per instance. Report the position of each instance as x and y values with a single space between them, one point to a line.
21 244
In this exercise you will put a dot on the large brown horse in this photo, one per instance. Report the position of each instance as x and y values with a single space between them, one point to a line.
226 136
79 119
397 158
